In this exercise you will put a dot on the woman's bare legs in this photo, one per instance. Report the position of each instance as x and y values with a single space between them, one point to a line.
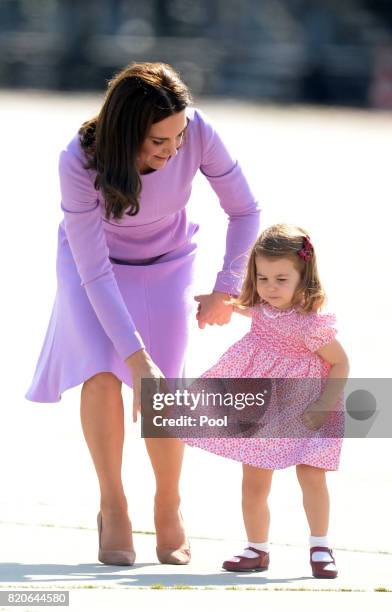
315 498
166 455
256 485
102 417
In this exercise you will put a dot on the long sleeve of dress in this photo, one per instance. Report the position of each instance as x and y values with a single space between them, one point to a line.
85 234
229 183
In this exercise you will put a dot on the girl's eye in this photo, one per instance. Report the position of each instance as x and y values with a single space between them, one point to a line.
281 280
157 142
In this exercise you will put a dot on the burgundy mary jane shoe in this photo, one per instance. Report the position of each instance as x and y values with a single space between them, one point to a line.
257 564
320 568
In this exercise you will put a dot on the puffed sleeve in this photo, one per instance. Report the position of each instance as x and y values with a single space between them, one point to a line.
84 230
225 176
322 330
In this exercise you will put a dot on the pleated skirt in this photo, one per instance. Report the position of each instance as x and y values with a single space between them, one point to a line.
159 297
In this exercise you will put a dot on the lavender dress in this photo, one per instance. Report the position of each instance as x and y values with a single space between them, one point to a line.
127 284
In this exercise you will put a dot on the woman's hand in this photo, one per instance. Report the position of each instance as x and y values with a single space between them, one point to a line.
142 366
214 308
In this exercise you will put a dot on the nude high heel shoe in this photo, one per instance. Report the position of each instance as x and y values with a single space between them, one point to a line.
175 556
113 557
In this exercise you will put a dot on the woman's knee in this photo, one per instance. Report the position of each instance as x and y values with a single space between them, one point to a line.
103 383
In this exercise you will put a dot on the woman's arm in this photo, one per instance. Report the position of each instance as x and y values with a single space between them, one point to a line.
225 176
85 234
227 180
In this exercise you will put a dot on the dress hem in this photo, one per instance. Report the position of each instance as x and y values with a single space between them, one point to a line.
258 465
33 397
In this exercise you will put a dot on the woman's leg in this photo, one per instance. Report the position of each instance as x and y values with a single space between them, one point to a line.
256 485
102 417
315 498
166 456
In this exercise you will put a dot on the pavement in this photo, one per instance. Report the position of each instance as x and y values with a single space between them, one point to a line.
49 538
60 558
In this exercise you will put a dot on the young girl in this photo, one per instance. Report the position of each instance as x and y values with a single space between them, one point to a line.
289 338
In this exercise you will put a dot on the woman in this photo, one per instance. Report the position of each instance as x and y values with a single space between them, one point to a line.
124 267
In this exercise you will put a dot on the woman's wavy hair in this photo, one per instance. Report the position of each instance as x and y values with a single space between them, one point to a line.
284 241
137 97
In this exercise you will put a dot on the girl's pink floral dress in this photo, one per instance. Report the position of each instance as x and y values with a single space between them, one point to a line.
281 344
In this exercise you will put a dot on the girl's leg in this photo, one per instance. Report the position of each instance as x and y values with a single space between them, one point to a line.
166 455
315 498
256 485
102 417
316 503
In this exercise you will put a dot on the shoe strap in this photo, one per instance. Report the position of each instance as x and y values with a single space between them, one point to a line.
321 549
259 552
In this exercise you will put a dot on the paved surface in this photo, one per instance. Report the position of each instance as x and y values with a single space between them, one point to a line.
54 556
121 600
59 558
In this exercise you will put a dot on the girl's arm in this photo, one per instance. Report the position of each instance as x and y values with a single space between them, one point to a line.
242 310
334 354
317 413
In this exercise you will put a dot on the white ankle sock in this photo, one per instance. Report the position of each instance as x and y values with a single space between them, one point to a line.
259 546
249 554
320 555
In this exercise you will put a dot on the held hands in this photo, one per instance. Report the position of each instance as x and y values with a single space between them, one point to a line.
214 308
142 366
314 416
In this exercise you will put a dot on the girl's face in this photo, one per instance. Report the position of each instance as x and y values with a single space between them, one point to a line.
277 280
162 142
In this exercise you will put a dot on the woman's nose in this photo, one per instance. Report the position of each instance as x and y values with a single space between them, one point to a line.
171 148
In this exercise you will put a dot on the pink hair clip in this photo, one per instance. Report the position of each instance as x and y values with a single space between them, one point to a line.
307 249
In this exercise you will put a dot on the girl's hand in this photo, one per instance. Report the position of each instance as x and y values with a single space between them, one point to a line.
214 308
142 366
314 416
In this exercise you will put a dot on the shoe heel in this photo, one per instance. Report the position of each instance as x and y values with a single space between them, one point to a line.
175 556
179 556
113 557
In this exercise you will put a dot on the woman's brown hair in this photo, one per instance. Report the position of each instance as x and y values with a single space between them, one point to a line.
137 97
285 241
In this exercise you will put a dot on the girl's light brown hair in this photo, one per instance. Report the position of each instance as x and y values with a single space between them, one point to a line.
137 97
284 241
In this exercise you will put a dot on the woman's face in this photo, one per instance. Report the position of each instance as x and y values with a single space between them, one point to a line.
162 142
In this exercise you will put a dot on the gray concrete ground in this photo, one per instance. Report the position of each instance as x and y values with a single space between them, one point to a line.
38 558
327 171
